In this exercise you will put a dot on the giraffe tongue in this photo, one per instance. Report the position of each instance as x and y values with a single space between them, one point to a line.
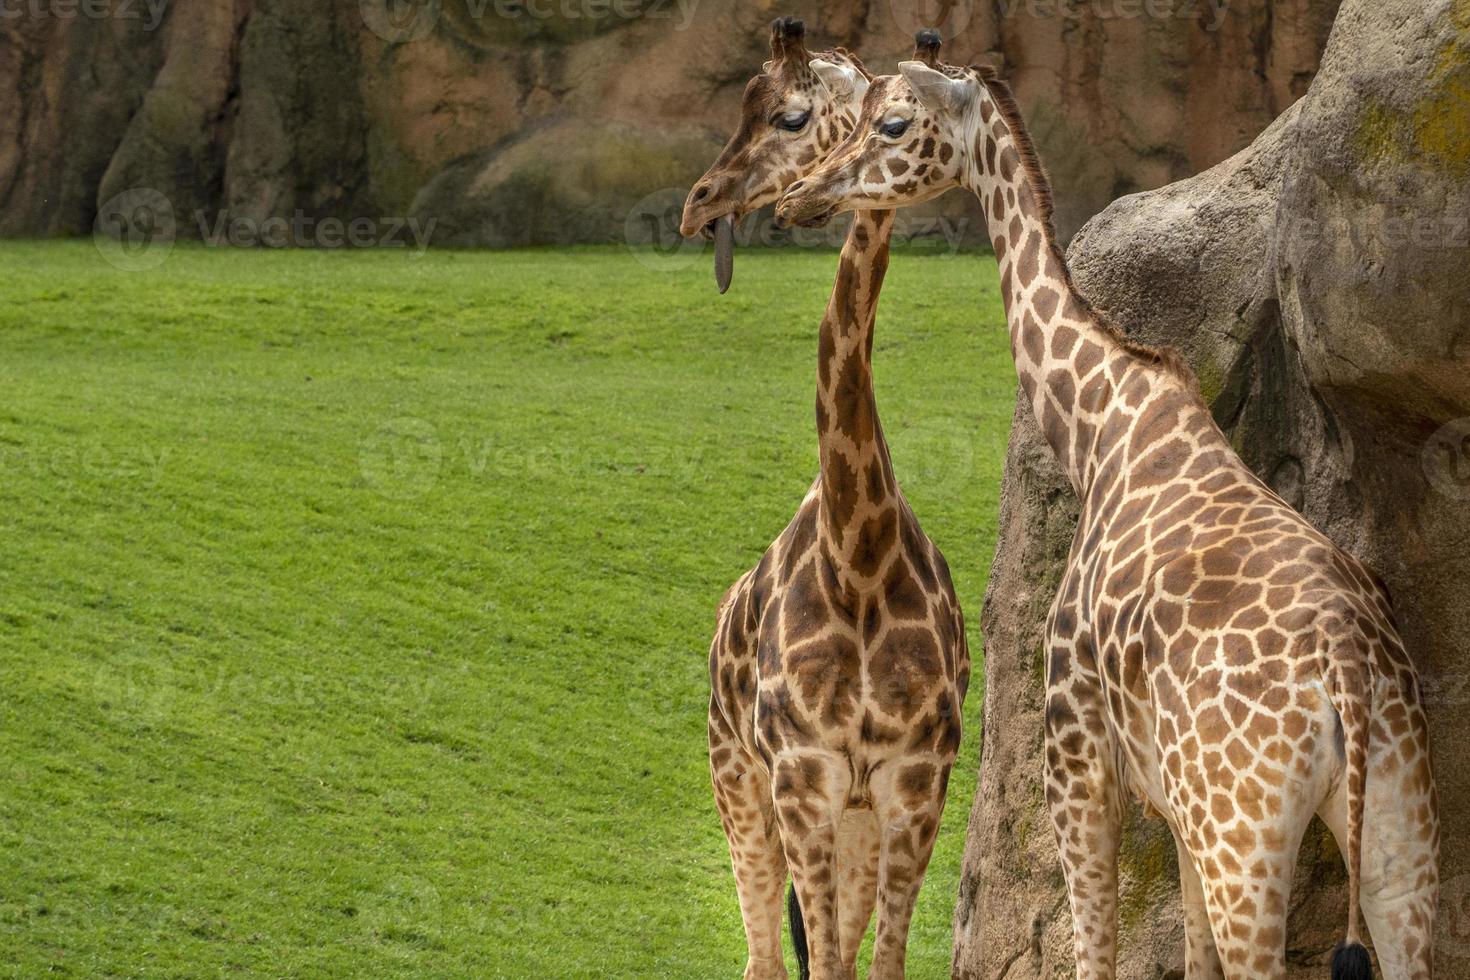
724 251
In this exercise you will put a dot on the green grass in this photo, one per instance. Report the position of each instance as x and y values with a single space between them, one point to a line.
354 607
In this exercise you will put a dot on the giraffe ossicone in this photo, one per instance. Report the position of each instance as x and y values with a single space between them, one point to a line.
839 664
1208 650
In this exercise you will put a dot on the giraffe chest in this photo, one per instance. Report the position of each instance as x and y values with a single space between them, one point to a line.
860 678
802 662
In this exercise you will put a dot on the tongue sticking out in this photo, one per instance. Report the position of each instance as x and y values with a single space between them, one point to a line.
724 251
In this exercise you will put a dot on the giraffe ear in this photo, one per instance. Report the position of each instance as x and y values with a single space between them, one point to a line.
936 90
842 81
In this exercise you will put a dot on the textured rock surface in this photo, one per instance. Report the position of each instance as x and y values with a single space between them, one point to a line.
1319 282
511 122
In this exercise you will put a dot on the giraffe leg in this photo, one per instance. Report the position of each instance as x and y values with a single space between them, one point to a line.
1399 886
908 796
1082 796
1201 960
1245 865
1247 909
810 790
857 880
743 797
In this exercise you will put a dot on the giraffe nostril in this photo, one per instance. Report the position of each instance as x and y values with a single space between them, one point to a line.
796 187
701 192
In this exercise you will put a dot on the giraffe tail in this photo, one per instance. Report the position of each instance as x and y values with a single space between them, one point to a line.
1350 962
1353 699
798 934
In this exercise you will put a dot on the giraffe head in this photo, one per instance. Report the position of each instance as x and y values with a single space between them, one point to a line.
921 133
792 114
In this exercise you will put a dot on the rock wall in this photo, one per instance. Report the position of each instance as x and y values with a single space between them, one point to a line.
515 121
1319 283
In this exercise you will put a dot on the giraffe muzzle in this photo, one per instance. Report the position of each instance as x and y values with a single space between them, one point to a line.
804 210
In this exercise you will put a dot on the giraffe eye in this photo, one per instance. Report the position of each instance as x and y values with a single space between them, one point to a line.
792 122
894 128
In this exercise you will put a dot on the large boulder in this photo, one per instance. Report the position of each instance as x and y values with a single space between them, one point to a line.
1319 283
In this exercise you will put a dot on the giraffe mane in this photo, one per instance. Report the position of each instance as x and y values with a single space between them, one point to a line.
857 62
1167 358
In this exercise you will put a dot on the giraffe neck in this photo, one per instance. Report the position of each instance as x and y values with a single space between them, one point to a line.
1056 341
858 490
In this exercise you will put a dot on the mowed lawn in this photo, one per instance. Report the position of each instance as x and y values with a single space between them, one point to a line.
354 606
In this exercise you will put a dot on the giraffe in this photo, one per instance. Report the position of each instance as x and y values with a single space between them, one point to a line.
839 663
1209 652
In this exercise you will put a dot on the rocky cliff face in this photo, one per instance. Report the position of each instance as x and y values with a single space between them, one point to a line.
1317 282
514 121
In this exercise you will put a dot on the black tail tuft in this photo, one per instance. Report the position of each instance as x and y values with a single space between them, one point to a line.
798 935
1350 962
